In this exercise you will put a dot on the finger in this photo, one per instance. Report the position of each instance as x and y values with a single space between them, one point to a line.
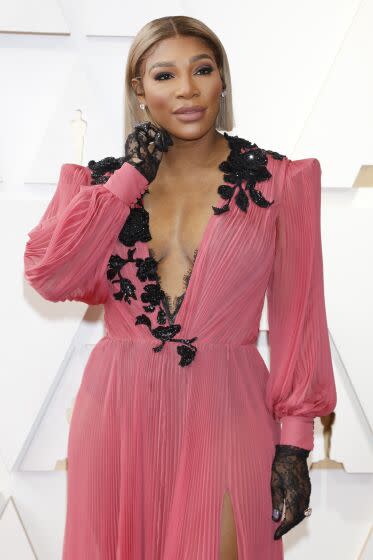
142 134
286 526
278 496
159 141
143 124
293 515
162 140
277 504
143 141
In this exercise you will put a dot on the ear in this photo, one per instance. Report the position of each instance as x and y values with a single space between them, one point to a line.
137 87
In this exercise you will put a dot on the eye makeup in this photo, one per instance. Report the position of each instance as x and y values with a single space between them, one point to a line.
209 69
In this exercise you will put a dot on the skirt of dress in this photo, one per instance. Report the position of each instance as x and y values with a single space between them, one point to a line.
153 447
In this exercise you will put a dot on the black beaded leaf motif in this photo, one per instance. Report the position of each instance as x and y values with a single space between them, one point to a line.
135 228
187 350
127 290
245 164
151 297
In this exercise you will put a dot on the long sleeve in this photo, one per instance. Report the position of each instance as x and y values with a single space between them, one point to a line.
67 251
301 384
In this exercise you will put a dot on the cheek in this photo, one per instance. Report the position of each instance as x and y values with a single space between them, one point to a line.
214 90
158 101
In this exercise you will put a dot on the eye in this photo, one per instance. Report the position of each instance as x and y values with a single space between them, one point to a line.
159 76
207 70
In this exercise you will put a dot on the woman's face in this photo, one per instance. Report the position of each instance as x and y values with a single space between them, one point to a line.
181 72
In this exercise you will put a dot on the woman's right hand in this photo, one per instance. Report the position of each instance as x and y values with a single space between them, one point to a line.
144 148
290 483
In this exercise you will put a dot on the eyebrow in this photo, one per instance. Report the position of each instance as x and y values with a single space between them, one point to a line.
164 64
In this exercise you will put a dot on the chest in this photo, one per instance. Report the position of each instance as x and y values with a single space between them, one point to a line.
179 214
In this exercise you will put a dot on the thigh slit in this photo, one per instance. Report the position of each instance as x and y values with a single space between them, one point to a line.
228 531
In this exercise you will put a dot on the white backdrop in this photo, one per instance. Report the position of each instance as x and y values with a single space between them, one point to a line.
303 86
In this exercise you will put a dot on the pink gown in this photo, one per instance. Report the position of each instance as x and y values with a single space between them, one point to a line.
172 412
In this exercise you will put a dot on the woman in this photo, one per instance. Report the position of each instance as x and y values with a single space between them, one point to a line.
181 444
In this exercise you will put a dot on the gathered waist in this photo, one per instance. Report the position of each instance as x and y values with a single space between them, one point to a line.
212 356
201 343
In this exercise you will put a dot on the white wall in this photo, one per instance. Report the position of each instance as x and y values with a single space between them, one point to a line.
302 85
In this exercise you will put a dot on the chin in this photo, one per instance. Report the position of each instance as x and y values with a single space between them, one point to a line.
190 131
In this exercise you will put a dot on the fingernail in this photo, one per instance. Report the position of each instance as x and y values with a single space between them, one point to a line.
276 514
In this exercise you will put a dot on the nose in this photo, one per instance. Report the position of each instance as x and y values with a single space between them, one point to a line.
186 86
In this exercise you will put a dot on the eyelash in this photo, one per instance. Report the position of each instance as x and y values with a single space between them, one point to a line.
157 77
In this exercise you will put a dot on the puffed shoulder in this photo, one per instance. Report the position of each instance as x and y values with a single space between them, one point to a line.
96 172
109 174
75 173
302 179
297 165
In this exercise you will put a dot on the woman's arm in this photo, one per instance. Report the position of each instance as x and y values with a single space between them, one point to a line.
67 252
301 385
66 255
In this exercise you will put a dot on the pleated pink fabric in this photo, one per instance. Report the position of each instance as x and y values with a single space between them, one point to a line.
154 446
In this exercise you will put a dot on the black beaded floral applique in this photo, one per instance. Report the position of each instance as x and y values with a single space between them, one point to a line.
154 299
246 162
136 228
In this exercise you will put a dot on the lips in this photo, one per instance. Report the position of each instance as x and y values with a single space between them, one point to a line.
194 109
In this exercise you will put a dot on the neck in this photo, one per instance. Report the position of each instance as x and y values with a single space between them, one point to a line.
201 153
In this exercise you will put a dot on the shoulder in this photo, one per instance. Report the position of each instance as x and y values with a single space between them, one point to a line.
260 155
292 173
303 176
289 177
301 186
306 165
95 173
253 162
74 173
293 167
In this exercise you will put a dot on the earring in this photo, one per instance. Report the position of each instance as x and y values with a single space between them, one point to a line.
142 106
223 93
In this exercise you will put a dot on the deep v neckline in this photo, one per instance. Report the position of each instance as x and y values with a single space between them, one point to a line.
245 166
190 273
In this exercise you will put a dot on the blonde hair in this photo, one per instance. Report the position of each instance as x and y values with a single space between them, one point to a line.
164 28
